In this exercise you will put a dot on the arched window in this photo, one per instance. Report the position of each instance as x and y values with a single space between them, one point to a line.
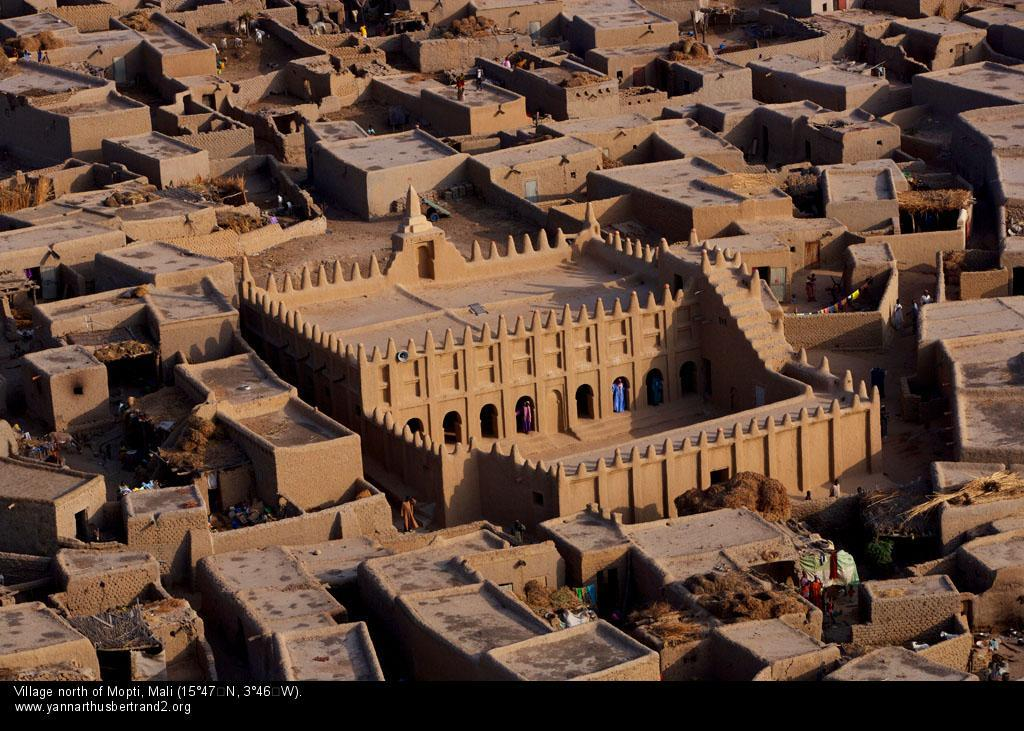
489 421
655 387
585 402
452 427
415 426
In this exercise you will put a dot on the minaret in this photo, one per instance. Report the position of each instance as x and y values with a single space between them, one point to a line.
415 222
417 233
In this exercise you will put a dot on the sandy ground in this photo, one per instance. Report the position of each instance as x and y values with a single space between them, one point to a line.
909 448
252 59
351 239
368 115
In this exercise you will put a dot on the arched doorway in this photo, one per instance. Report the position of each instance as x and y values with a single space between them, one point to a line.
620 394
655 387
585 402
415 426
526 415
452 427
489 421
688 377
557 410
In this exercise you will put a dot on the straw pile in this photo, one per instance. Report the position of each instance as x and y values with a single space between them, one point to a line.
45 41
1002 485
190 451
138 21
543 601
580 78
218 189
470 27
750 184
128 197
672 626
122 349
238 222
32 192
689 52
733 595
945 199
750 490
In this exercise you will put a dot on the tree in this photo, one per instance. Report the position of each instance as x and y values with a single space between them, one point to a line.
880 551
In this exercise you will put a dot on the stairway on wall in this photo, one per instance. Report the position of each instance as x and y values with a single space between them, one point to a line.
747 309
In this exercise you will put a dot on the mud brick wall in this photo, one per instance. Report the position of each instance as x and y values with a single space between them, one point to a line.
897 620
990 283
827 515
957 522
842 330
224 143
955 652
87 18
97 592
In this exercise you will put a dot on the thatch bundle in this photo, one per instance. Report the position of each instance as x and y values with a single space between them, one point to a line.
1002 485
27 194
944 199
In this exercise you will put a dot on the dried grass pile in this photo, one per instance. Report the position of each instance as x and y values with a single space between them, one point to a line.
49 41
30 193
543 600
733 595
751 490
239 223
138 21
689 52
45 41
581 78
121 198
944 199
672 626
220 189
189 452
122 349
1002 485
470 27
